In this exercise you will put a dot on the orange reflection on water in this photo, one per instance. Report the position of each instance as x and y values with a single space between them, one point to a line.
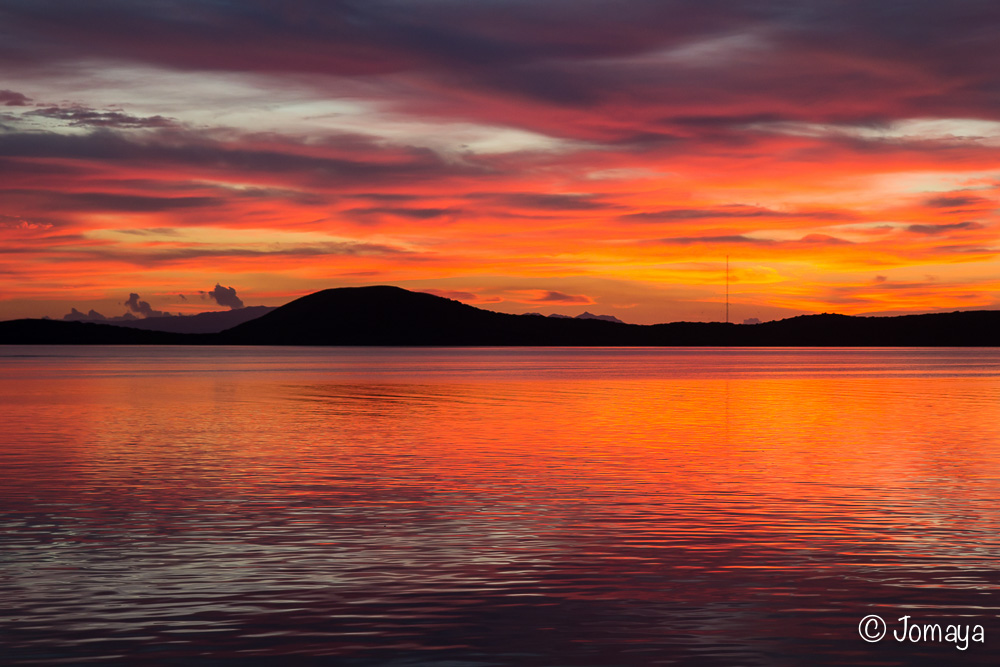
404 486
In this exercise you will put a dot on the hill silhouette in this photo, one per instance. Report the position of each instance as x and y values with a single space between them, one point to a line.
60 332
384 315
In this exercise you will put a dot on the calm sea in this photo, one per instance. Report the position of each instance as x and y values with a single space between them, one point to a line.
461 507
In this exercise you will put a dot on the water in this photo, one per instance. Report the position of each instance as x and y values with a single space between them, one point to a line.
230 506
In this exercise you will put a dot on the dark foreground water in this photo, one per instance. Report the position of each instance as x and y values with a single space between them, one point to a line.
214 506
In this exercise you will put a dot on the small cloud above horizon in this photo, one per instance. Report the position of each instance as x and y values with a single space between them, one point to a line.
136 305
550 297
225 296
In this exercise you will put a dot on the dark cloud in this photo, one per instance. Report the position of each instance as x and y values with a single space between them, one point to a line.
92 315
944 228
226 296
356 36
823 239
136 305
80 116
30 171
75 315
456 295
152 231
906 286
711 64
403 212
807 240
715 122
9 98
955 201
734 238
737 211
734 211
542 201
560 297
968 249
104 201
196 153
166 255
386 197
648 73
298 197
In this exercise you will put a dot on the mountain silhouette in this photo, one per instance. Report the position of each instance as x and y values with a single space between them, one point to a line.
384 315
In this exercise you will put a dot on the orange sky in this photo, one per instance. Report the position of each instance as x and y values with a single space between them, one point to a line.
552 158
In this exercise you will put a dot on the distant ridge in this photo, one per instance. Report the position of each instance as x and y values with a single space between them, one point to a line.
384 315
583 316
210 322
590 316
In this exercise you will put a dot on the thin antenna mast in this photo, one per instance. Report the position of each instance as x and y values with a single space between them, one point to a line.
727 289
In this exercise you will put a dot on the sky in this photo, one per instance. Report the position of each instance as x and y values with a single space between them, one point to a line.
520 156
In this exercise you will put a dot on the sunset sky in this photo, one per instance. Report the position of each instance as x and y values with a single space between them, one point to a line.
554 156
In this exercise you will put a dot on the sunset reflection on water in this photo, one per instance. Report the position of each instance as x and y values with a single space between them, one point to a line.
537 507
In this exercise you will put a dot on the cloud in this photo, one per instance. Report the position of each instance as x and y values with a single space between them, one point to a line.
20 224
465 296
135 305
240 159
954 201
734 211
542 201
81 116
943 228
806 241
92 315
730 238
402 212
165 254
737 211
969 250
725 59
823 239
549 297
456 295
226 296
107 201
75 315
151 231
10 98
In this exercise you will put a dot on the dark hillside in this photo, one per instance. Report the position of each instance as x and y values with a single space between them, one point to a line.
58 332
